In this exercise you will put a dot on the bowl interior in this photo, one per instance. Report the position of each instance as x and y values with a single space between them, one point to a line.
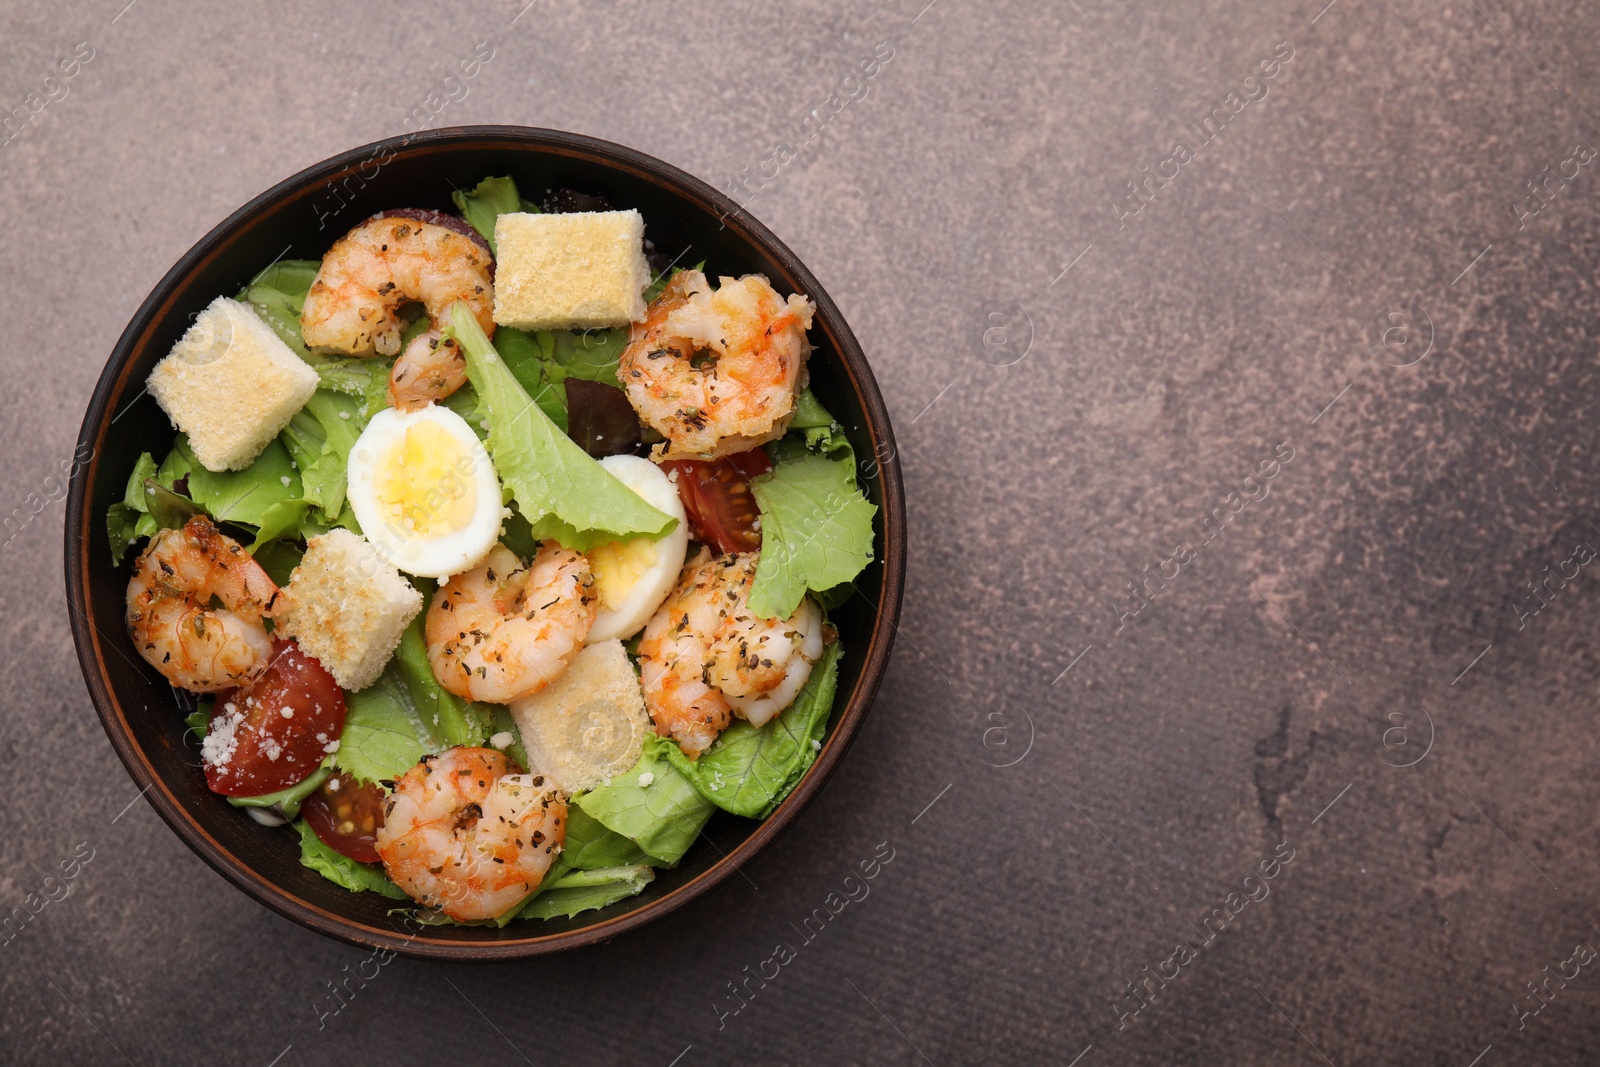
299 219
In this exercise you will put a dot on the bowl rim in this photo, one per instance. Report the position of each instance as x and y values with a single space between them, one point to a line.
88 639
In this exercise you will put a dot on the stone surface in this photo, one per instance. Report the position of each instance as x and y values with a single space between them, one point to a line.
1137 369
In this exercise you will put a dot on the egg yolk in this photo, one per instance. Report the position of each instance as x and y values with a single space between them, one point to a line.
618 566
424 482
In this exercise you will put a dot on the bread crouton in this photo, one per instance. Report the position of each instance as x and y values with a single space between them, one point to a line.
348 607
575 270
589 724
231 384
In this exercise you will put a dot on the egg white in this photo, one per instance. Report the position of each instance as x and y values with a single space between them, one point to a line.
646 592
438 553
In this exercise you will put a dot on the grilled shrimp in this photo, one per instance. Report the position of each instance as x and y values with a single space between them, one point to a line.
430 369
196 605
717 372
706 657
504 630
395 257
466 833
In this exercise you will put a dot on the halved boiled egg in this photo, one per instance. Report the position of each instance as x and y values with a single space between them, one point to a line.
632 578
424 491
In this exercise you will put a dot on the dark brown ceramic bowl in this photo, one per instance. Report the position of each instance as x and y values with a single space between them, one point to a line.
300 218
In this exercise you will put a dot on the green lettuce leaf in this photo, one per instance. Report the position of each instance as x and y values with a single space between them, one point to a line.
169 510
199 720
148 504
749 770
590 845
809 412
533 365
319 438
663 818
551 877
816 529
579 891
517 535
278 294
383 735
279 559
122 530
288 800
492 198
134 496
341 869
541 362
818 430
267 495
549 475
129 519
466 403
588 354
313 524
254 496
447 719
365 379
563 892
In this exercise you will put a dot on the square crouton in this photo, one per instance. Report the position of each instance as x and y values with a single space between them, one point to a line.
231 385
589 724
575 270
348 607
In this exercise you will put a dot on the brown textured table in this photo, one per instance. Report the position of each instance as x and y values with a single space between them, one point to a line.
1243 360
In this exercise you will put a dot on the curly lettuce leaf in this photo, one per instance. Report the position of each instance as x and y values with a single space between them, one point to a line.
341 869
750 770
267 495
586 890
315 525
816 529
563 492
663 818
169 510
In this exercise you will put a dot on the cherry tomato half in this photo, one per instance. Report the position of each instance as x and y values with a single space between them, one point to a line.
346 815
272 733
722 509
